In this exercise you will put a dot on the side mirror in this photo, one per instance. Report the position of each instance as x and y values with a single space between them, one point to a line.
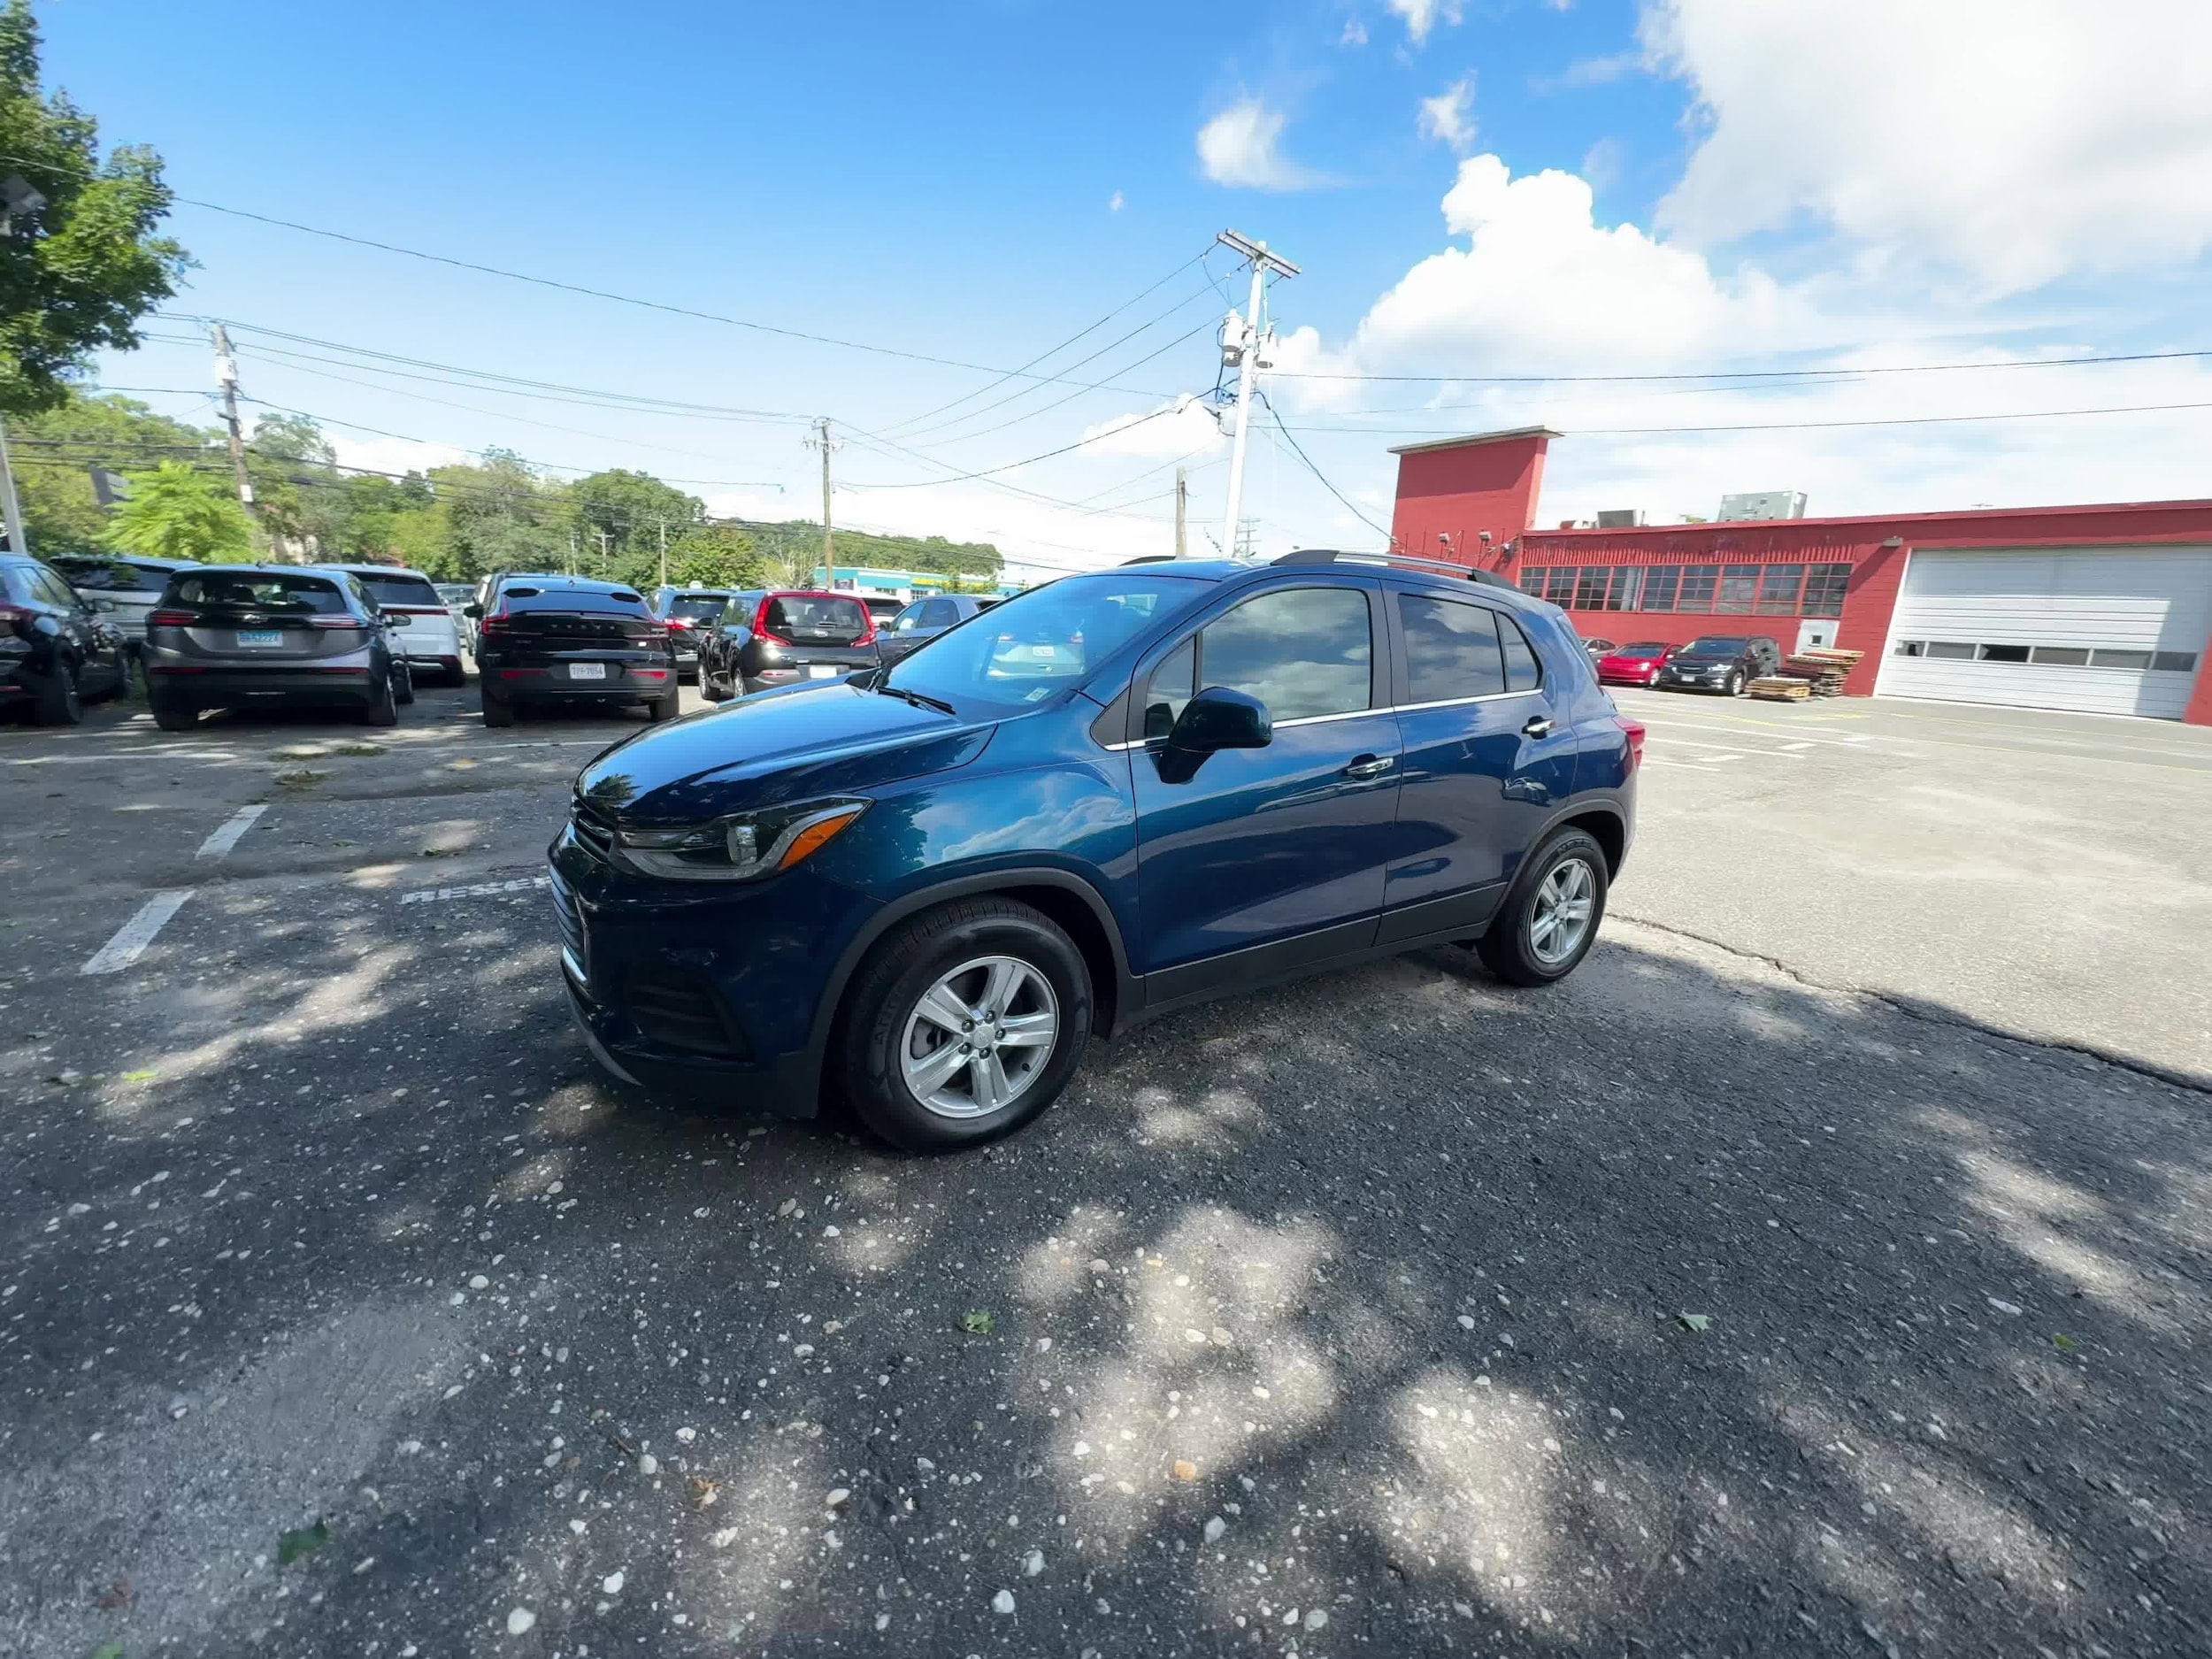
472 612
1218 717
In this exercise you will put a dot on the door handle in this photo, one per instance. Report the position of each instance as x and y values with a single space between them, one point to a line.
1370 766
1538 726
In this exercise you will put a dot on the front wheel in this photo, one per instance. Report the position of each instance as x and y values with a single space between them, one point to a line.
1735 683
58 701
1550 919
965 1024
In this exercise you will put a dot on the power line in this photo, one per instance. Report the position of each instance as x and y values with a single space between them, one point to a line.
1010 466
1737 374
578 288
1299 450
1814 425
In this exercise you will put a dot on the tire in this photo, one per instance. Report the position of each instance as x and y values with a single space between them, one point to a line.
710 688
498 710
1516 945
1735 683
58 701
172 716
456 677
663 708
956 950
383 708
404 690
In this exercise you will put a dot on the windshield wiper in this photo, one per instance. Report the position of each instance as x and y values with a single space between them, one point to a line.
918 699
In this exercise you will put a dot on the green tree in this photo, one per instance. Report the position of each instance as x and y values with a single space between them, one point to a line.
176 512
56 449
620 516
78 269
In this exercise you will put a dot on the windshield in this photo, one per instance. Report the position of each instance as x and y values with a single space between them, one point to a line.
1717 645
1643 648
1037 642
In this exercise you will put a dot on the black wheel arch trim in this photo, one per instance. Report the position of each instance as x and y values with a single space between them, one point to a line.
1126 990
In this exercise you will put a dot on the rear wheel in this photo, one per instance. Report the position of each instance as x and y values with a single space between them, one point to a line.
709 688
383 703
1550 919
58 701
403 685
663 708
498 710
963 1023
172 716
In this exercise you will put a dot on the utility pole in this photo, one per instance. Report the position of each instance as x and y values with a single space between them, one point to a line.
664 552
571 566
605 540
821 440
1244 344
1182 500
10 509
226 377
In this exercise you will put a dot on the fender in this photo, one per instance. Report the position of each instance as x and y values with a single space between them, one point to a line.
1127 994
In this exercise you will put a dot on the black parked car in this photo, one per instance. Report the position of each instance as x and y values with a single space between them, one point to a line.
926 619
1719 662
248 636
569 640
783 637
56 649
689 613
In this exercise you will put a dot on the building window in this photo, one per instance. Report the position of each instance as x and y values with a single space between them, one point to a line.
2004 654
1590 587
1824 589
1779 586
1910 648
1661 582
2120 659
1560 587
2060 657
1697 586
1620 588
1738 588
1950 651
2174 662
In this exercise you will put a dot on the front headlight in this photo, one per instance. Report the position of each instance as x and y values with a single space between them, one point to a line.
740 848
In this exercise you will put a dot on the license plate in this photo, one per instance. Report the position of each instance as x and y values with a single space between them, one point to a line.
587 670
822 671
260 636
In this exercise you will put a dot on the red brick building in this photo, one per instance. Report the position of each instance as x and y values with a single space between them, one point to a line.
2106 609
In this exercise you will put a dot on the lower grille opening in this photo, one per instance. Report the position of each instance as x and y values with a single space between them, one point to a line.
682 1010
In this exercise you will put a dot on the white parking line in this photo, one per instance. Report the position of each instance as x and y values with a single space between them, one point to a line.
478 890
1736 750
226 838
135 936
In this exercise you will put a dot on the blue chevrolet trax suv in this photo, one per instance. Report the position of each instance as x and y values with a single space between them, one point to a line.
922 888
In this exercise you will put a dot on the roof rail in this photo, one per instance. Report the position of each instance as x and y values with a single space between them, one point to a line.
1150 559
1329 555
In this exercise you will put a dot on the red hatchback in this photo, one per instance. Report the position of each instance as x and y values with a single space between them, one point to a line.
1636 665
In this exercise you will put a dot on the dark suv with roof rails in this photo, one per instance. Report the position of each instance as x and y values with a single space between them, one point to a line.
1725 662
56 648
925 887
571 640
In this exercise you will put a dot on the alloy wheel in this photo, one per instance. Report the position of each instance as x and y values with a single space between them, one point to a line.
979 1037
1560 918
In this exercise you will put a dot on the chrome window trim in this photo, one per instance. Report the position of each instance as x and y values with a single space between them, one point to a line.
1453 703
1354 714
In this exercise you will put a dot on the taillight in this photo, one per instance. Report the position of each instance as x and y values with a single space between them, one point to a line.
1635 730
340 621
170 618
760 623
496 623
868 638
679 622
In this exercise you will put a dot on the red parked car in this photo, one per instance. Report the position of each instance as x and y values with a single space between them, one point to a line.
1636 665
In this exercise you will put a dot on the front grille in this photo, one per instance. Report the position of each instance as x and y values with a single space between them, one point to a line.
590 831
573 943
682 1010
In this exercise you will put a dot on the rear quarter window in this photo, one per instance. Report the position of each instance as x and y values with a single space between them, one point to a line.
1452 649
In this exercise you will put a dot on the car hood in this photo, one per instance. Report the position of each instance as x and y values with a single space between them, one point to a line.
762 750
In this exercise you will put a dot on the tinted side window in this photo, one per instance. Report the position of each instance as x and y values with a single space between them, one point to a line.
908 619
1172 683
1451 650
53 590
939 614
1523 673
1304 651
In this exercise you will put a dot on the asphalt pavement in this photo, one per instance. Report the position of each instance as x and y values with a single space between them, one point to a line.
1703 1303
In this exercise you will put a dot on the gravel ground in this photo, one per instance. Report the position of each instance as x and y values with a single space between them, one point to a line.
1685 1307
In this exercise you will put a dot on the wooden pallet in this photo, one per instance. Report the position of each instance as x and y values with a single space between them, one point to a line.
1781 688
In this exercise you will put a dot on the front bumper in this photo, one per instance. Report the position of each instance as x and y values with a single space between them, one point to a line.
764 953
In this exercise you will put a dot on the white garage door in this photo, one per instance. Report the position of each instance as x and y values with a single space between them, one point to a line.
2107 630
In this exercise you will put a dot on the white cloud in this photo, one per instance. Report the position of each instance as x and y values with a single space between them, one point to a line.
1113 203
1421 15
1238 148
1602 163
394 455
1448 117
1541 285
1185 427
1355 34
1593 72
2014 140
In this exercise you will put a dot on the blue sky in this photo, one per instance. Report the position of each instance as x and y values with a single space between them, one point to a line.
1521 187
